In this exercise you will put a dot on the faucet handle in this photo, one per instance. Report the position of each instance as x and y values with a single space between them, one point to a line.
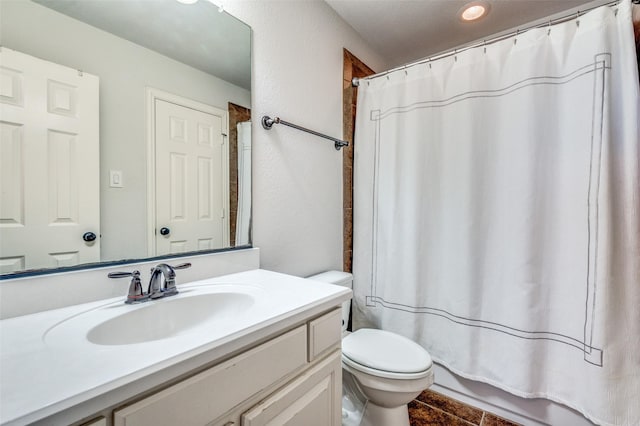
121 274
135 293
170 284
182 266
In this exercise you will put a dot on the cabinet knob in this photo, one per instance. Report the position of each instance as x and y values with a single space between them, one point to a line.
165 231
89 236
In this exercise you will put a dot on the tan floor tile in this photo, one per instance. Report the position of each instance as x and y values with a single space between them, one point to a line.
451 406
423 415
493 420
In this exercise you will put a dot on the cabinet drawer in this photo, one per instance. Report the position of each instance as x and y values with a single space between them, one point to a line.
204 397
325 333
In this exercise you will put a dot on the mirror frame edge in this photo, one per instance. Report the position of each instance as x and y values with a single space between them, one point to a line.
96 265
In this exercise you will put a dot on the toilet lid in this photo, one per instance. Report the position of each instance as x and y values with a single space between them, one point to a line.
386 351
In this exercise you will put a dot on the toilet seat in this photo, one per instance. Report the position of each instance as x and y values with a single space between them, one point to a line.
385 354
352 365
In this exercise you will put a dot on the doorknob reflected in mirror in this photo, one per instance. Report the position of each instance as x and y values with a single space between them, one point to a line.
89 237
165 231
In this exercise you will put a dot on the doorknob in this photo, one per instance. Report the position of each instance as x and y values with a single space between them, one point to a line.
165 231
89 236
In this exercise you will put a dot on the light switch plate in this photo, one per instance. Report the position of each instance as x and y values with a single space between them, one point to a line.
115 179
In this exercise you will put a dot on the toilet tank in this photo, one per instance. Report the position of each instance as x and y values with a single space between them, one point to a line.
343 279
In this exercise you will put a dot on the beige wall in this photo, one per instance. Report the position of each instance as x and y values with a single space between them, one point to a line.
297 178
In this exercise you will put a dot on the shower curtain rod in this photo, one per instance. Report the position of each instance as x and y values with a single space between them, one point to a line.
268 122
355 82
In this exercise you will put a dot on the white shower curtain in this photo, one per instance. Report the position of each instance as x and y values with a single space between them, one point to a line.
497 213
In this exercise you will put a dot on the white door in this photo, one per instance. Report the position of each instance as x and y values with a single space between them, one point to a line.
49 164
191 178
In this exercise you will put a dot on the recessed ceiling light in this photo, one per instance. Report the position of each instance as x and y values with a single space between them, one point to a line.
473 11
187 1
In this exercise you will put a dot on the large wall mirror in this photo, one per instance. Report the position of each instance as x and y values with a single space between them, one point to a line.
124 131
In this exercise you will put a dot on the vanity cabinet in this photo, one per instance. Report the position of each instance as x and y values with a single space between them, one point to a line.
292 379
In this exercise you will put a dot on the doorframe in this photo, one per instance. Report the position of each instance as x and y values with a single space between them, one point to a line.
152 94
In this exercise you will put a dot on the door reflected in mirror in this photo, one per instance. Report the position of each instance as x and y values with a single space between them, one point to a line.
128 124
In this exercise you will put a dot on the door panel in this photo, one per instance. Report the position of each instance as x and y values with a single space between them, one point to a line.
49 162
63 203
190 178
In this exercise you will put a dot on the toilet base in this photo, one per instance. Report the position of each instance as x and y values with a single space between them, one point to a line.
374 415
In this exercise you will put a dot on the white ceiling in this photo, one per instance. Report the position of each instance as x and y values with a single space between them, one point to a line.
403 31
196 34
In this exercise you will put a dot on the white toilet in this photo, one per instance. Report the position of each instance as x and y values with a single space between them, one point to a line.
389 369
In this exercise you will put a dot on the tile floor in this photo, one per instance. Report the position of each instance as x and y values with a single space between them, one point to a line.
433 409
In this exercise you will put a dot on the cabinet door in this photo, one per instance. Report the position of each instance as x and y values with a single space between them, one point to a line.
313 399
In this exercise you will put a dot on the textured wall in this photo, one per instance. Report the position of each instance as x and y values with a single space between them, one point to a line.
297 178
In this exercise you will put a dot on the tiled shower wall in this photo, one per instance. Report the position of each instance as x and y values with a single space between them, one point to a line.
353 68
237 114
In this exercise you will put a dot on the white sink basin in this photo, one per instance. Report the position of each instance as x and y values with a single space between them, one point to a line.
160 319
208 310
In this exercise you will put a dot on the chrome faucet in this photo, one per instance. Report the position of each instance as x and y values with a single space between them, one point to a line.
156 288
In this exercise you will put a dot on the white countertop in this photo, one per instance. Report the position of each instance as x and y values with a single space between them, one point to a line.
44 371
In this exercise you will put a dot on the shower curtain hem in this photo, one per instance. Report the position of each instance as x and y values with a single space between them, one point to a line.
523 394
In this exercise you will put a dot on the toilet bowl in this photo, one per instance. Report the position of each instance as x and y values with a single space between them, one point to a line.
390 370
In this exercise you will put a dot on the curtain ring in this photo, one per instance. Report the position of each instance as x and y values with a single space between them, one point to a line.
549 30
455 55
515 40
484 43
429 63
577 18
